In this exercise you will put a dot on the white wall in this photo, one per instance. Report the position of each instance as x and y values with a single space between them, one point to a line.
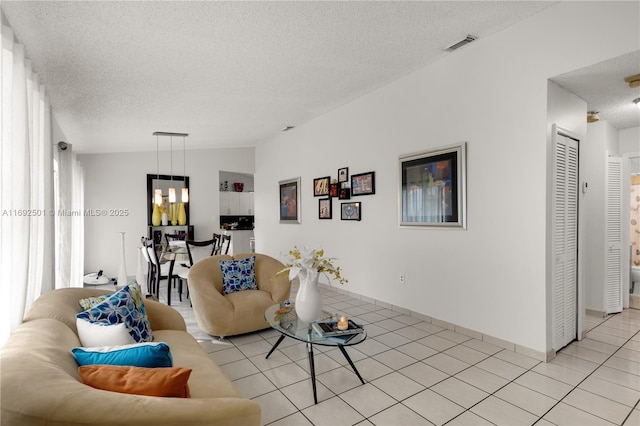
493 94
629 140
119 181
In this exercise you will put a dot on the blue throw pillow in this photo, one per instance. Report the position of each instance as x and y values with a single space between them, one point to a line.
126 305
149 355
238 275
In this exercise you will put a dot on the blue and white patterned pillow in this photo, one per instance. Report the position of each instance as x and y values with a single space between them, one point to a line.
238 275
126 305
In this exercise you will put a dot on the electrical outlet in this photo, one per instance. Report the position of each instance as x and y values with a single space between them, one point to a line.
401 278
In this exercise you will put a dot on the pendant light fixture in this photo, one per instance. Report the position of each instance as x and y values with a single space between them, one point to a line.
172 190
185 190
158 191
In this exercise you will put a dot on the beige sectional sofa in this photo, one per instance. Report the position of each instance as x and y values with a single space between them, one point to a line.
40 384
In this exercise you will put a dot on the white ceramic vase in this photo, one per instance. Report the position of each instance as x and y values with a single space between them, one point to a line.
122 273
308 300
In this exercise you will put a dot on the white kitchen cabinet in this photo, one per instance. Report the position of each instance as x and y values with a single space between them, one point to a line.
245 204
236 203
240 241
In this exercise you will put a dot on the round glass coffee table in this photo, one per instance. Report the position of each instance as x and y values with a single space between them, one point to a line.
284 320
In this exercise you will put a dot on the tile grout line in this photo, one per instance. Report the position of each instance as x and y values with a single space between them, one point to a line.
589 375
457 344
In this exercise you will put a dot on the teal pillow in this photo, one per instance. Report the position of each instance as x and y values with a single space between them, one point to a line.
238 275
149 355
125 305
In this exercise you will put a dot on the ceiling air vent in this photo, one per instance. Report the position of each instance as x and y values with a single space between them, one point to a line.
468 39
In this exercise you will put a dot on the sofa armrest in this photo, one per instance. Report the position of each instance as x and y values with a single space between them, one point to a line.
268 279
163 317
205 289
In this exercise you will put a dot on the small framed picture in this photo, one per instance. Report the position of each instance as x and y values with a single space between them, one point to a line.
344 194
343 174
350 211
290 200
324 208
321 186
363 184
333 190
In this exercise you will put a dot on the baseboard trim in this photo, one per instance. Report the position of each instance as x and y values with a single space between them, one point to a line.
495 341
595 313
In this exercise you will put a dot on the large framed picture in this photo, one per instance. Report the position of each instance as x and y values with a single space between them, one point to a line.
321 186
350 211
432 187
290 200
363 184
324 208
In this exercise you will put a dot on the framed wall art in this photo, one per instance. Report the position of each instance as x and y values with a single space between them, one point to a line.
350 211
363 184
343 174
333 190
321 186
290 200
324 208
344 193
432 187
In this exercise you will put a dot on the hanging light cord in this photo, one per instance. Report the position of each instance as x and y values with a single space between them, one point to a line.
171 148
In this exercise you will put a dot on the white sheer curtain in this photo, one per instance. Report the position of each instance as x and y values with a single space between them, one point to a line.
26 130
69 219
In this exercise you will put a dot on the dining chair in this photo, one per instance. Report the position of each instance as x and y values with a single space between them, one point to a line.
160 271
197 250
222 244
146 242
179 236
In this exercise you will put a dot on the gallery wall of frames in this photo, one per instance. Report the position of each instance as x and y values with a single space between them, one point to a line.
344 188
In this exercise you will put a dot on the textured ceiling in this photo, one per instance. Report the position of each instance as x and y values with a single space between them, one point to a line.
603 87
229 73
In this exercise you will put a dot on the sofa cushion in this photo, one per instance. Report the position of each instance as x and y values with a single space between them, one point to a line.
167 382
127 306
150 355
238 275
102 334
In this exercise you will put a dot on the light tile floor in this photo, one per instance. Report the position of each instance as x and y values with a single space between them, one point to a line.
417 373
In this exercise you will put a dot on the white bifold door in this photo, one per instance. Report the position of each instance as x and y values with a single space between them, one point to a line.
564 240
614 255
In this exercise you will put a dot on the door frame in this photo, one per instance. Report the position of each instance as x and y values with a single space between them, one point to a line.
626 217
580 294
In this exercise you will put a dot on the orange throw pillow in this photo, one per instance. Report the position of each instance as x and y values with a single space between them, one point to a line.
162 381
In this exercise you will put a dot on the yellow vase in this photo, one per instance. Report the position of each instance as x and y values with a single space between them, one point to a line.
156 217
174 214
182 215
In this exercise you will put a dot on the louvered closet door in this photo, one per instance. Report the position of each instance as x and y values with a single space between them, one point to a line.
565 241
613 272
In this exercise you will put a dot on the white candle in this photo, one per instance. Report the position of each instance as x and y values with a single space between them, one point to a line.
342 323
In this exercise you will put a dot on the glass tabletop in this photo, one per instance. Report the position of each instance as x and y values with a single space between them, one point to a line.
173 252
284 319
